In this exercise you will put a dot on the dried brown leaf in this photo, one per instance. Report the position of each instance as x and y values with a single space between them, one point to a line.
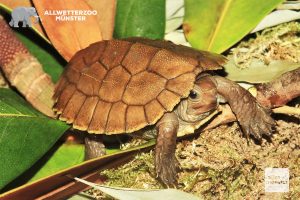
106 10
68 36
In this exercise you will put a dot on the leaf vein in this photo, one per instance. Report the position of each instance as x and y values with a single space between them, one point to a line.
219 24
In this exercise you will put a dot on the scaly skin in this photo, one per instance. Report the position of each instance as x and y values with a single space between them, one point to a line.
165 160
94 146
253 118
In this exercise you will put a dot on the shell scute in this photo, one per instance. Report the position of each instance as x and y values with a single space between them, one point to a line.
135 118
143 87
138 58
73 106
114 84
116 118
114 53
164 98
86 85
100 116
170 65
85 114
96 70
153 111
64 97
178 84
96 50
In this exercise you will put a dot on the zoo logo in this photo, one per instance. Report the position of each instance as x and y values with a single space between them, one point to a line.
23 14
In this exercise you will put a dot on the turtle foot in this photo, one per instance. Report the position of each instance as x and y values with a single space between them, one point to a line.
94 146
166 170
257 122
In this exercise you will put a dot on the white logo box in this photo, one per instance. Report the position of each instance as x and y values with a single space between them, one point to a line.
276 179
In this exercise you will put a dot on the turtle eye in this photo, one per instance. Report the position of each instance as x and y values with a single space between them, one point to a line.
193 94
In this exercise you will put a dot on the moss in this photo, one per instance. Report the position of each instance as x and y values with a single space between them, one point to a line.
139 173
281 42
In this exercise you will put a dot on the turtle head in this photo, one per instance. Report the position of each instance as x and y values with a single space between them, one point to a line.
201 102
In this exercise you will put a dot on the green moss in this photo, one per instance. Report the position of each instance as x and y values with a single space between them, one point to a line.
281 42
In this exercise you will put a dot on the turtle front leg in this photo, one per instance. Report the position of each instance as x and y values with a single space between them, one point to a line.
165 160
254 119
94 146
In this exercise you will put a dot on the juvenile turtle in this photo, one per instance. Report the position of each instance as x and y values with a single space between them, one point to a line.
122 86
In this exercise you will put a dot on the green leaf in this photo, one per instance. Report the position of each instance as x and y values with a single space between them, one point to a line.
25 135
258 72
140 18
45 53
67 155
216 25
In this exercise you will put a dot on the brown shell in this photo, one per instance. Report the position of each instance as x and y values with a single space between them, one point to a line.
119 86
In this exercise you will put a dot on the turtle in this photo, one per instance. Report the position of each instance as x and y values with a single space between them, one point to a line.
123 85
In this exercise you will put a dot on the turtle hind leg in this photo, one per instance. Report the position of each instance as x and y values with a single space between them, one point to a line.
94 146
166 163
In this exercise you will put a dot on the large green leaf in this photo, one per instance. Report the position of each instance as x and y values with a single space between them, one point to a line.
67 155
258 72
25 135
140 18
216 25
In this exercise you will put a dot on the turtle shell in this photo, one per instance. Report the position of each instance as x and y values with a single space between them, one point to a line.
121 86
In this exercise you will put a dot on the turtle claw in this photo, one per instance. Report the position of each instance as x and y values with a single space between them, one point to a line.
257 122
166 170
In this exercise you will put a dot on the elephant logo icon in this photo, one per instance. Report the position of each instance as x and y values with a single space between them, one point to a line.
23 14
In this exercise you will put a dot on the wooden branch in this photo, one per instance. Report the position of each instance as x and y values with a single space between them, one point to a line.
280 91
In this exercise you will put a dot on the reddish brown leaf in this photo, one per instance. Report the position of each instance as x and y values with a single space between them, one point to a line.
106 10
68 36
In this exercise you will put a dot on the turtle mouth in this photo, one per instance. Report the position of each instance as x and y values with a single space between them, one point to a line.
200 108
